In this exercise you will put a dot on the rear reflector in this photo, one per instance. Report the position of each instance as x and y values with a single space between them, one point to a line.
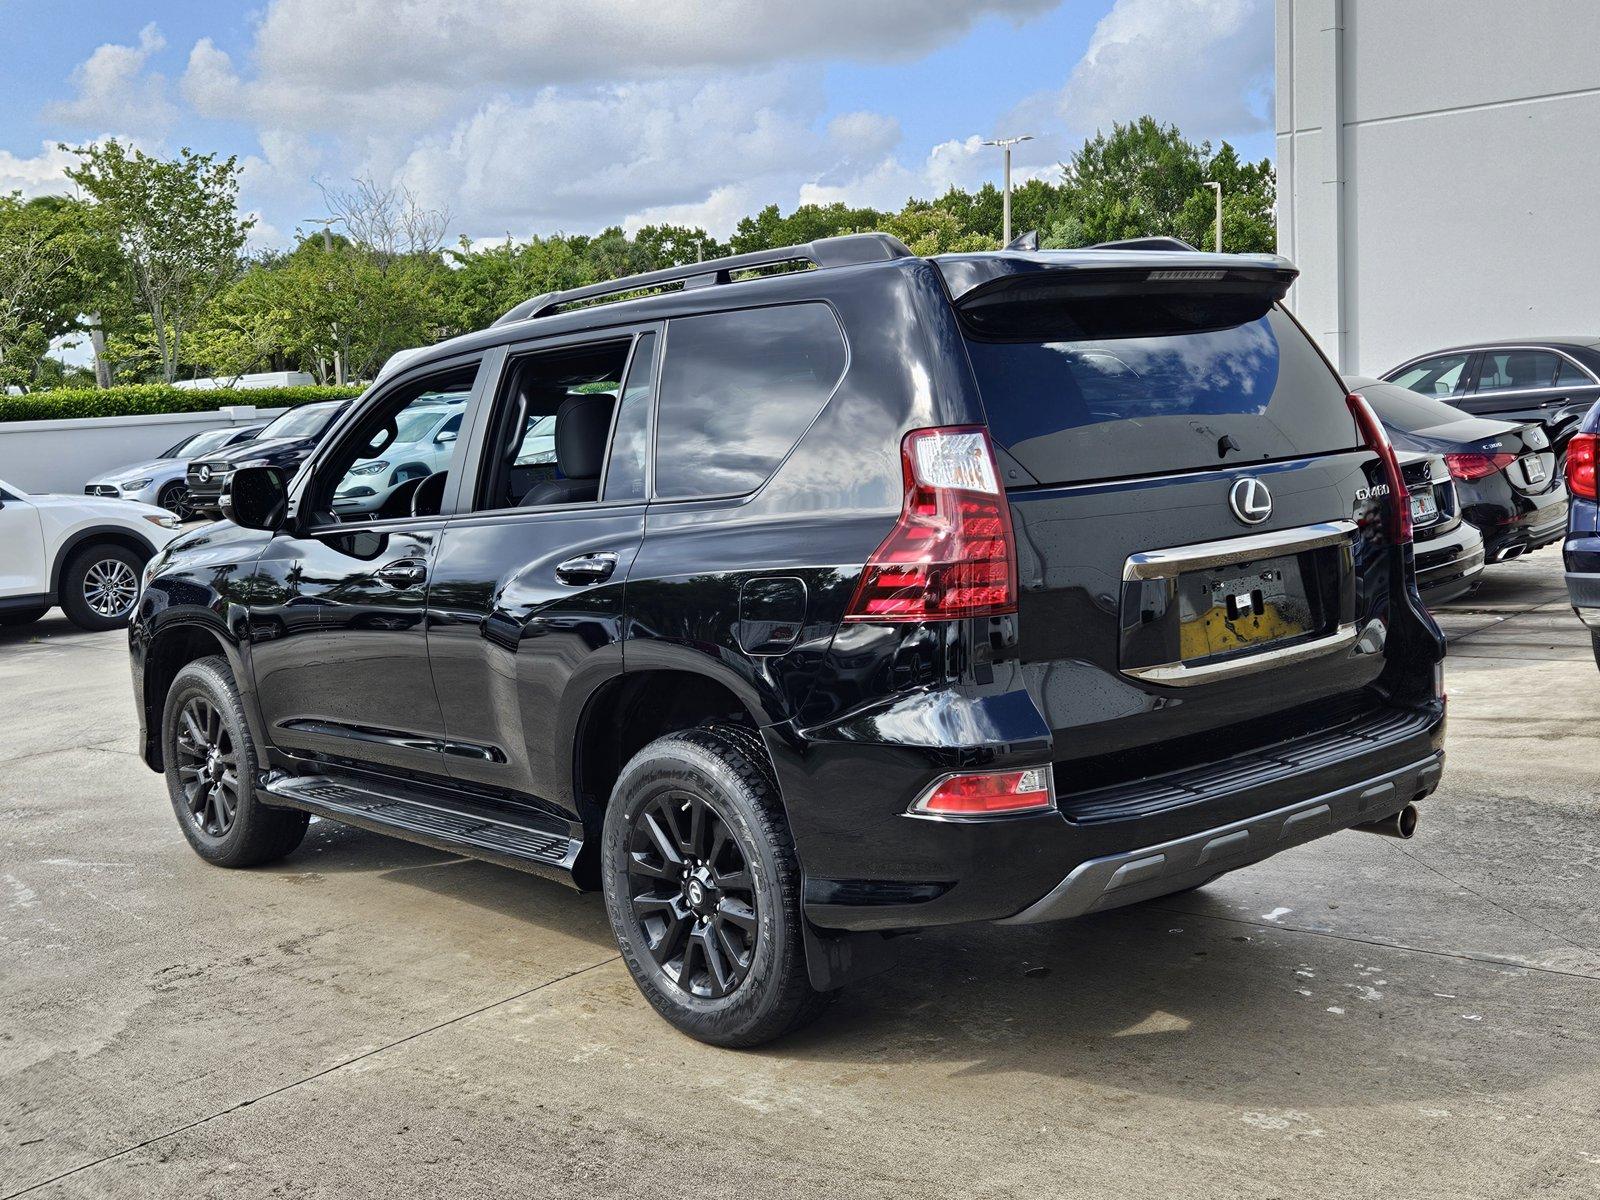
1581 466
950 554
1377 439
992 793
1468 467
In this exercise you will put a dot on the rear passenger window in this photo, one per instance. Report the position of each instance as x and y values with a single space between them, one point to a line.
737 391
630 442
1515 370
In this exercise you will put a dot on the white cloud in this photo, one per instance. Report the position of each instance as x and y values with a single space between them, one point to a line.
1203 65
115 88
45 174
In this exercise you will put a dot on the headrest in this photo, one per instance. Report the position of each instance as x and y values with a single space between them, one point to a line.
582 423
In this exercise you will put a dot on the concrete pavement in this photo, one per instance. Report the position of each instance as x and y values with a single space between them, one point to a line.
1358 1017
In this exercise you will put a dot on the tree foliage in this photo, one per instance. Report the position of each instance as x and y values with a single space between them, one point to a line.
153 247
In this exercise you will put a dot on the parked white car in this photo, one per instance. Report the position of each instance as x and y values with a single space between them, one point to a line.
84 553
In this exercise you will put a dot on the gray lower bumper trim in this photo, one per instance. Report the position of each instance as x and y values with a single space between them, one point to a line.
1584 590
1136 875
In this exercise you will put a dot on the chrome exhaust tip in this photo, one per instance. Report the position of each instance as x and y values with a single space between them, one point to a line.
1402 825
1508 553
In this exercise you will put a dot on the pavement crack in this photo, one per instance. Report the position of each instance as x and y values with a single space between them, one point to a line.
1512 913
1279 927
315 1075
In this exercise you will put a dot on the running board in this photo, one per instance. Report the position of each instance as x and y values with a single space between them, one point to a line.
524 840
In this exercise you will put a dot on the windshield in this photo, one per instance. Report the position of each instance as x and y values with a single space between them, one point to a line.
1406 410
301 422
203 442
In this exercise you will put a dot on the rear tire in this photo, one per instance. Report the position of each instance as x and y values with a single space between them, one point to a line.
100 586
211 768
703 889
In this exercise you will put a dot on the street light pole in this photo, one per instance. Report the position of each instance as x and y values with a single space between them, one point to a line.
1005 209
1217 188
327 224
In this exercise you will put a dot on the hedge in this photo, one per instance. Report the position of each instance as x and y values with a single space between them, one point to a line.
145 398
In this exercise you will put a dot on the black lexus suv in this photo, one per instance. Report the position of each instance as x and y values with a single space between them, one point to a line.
795 609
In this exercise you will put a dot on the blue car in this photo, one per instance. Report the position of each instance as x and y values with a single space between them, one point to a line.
1582 549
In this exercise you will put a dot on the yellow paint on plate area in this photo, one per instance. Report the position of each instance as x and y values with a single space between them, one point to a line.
1213 633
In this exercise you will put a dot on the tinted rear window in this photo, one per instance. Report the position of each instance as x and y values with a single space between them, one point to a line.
1105 387
1406 410
737 391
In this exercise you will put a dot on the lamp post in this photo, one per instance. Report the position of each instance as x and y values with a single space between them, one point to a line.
1217 188
1006 144
327 224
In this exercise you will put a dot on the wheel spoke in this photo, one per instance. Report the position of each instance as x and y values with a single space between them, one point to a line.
738 912
734 881
697 826
665 844
716 966
686 969
640 864
734 953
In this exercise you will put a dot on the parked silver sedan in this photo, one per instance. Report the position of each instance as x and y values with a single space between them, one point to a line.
160 481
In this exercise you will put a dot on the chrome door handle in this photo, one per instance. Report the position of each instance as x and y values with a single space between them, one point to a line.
587 568
404 572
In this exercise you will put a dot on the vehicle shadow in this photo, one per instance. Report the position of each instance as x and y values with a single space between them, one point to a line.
1179 1003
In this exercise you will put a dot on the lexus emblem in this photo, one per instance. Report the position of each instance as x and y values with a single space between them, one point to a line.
203 474
1250 501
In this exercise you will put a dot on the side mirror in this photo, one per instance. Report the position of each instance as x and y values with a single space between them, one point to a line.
257 498
445 435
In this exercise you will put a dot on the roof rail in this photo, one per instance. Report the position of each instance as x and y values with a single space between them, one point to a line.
846 251
1147 243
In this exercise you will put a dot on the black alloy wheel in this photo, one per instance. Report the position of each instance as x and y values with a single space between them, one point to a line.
175 499
208 767
692 892
210 763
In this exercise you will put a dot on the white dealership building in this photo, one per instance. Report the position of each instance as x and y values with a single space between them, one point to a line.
1439 171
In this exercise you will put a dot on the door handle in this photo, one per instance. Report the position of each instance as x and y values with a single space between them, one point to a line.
404 572
587 568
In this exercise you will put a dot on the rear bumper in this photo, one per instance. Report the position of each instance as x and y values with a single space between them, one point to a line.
1542 521
1449 565
1150 871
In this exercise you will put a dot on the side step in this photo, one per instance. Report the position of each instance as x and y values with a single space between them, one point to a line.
523 839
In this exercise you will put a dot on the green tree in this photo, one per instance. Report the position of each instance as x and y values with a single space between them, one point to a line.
46 253
1146 179
177 230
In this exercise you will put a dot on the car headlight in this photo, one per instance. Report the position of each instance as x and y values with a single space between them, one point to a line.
134 485
371 468
165 520
255 462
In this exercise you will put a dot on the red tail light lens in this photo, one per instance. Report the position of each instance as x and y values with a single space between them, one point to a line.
988 794
1373 433
1468 467
1581 466
951 553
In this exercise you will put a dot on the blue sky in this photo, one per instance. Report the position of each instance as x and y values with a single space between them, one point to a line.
570 115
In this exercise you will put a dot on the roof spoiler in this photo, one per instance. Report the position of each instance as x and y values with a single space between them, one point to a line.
1147 243
847 251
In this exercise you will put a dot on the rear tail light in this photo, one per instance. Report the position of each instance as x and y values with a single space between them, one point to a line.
1581 466
951 553
1377 440
988 794
1468 467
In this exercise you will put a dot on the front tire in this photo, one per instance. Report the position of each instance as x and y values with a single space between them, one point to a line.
211 769
175 499
100 586
703 889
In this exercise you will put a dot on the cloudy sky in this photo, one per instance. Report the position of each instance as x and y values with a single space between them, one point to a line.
525 116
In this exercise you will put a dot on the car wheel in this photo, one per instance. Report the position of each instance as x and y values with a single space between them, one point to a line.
100 586
703 889
211 769
22 616
175 499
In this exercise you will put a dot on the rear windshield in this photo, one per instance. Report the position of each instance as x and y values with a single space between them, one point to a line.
1407 411
1100 388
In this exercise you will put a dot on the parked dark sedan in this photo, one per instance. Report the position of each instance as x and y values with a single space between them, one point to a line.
1449 550
1505 473
1552 380
284 444
1581 553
